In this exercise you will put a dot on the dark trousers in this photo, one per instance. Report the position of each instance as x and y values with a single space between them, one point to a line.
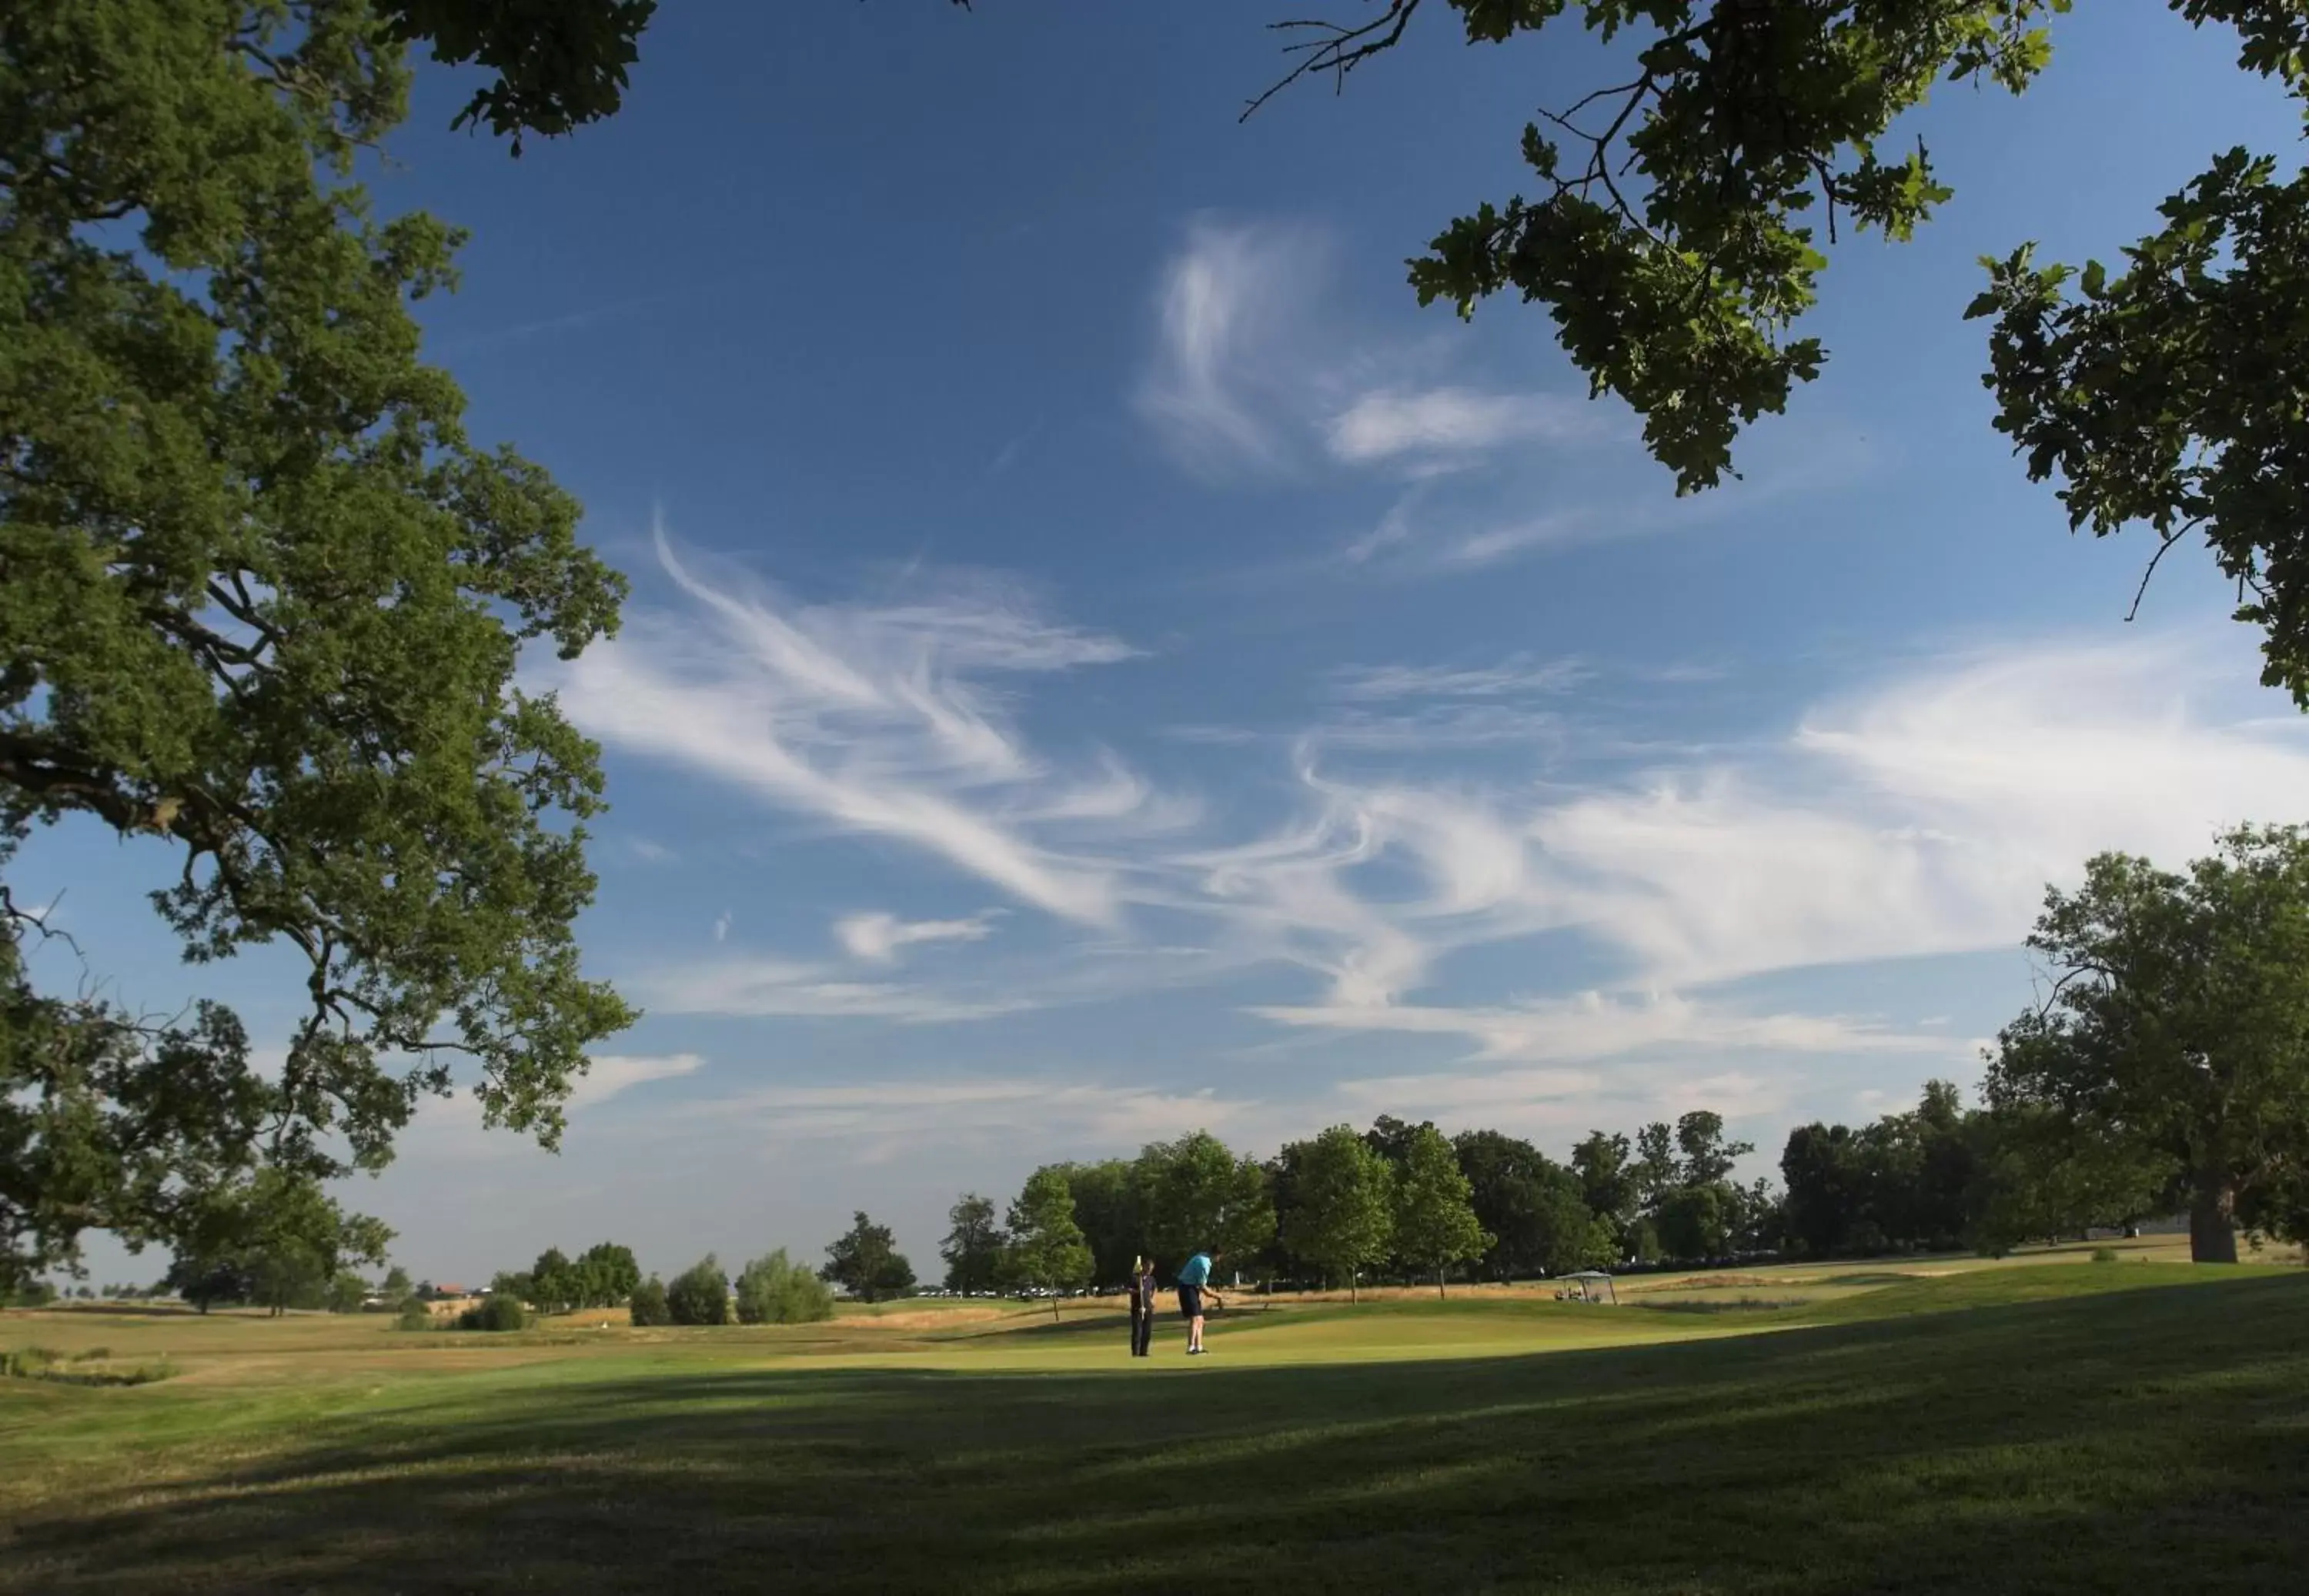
1142 1328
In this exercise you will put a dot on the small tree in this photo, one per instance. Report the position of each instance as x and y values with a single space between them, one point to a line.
648 1304
346 1294
607 1274
554 1285
698 1295
974 1246
414 1314
866 1261
1342 1213
1435 1223
208 1283
774 1290
1047 1248
396 1284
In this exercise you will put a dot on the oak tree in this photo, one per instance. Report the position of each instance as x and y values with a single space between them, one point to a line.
262 599
1680 219
2174 1040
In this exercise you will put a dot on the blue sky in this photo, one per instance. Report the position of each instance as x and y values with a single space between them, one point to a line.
1102 662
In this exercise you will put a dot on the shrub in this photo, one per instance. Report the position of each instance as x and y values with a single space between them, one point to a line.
495 1313
2104 1254
414 1314
648 1304
33 1363
143 1374
774 1291
93 1354
699 1295
44 1363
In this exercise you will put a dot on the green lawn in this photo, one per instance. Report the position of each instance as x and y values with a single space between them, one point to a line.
2055 1427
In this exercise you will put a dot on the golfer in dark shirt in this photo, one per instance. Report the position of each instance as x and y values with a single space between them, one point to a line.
1141 1306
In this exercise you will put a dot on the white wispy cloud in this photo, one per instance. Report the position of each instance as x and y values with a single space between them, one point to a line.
1925 816
1444 527
722 927
1920 814
1217 391
611 1074
1441 426
1597 1026
1560 1102
745 986
1517 675
897 1113
1247 374
871 719
879 937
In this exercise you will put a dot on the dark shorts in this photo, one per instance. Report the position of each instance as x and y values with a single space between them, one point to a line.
1190 1301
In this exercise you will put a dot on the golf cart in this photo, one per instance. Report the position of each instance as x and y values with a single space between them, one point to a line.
1589 1285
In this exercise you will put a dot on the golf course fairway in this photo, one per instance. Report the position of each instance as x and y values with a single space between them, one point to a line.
2057 1426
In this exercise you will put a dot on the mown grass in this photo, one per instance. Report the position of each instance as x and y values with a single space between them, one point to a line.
2048 1428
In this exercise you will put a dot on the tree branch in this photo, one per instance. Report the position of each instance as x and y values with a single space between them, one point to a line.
1340 53
2142 591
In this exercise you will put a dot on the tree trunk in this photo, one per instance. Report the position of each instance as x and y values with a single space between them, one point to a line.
1439 1285
2212 1223
1054 1308
1353 1275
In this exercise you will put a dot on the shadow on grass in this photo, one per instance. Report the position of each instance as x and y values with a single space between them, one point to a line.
2147 1439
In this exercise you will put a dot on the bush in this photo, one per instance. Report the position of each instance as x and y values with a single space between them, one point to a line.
495 1313
648 1304
46 1363
699 1295
2104 1254
774 1291
414 1314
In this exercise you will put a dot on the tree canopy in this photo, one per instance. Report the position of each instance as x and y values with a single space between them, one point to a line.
1534 1207
264 600
558 64
277 1239
698 1295
774 1291
973 1248
1198 1196
1342 1213
1681 219
1435 1223
1047 1249
865 1261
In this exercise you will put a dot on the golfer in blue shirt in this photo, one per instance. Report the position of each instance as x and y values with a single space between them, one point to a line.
1193 1279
